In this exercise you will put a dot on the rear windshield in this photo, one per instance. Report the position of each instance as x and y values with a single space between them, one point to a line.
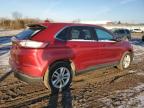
27 33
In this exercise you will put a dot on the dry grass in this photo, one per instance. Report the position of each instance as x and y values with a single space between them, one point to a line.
17 23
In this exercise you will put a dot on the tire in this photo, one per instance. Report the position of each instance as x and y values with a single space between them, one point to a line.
59 77
125 61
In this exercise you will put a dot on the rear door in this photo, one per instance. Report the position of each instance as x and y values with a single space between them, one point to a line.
109 49
83 44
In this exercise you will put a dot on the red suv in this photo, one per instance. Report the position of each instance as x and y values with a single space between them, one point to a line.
54 52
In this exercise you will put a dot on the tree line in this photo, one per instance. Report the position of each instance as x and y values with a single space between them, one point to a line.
17 21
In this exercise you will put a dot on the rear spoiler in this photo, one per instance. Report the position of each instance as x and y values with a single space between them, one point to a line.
36 26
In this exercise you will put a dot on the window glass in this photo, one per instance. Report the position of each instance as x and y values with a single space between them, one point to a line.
86 34
27 34
75 34
81 33
63 35
103 35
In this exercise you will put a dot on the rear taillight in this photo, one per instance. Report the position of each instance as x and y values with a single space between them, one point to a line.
32 44
29 43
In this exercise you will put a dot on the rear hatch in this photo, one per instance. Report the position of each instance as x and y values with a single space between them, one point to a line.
24 39
23 47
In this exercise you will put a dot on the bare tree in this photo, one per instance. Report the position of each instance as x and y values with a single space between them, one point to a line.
76 21
17 15
119 22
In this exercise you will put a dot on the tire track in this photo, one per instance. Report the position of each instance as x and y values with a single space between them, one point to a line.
31 98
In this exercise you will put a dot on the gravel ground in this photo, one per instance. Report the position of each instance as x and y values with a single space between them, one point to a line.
103 88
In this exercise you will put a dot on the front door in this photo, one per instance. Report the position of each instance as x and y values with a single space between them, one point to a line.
109 49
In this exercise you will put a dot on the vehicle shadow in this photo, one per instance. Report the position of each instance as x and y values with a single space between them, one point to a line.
66 99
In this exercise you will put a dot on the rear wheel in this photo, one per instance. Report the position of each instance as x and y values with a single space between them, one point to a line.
125 61
60 77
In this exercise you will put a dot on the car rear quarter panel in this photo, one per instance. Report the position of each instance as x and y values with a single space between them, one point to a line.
28 60
48 34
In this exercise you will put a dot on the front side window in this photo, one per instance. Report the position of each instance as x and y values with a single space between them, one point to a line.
103 35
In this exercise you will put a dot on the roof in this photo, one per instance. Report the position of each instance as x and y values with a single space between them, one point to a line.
68 24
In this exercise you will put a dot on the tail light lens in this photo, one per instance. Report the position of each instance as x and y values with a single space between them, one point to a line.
32 44
29 43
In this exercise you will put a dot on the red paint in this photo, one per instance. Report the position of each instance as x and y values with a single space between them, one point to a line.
35 61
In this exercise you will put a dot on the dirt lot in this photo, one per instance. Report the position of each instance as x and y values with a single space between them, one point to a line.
104 88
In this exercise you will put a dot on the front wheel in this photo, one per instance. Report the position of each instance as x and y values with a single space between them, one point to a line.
60 76
125 61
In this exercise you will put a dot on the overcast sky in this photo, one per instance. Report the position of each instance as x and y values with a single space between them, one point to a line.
67 10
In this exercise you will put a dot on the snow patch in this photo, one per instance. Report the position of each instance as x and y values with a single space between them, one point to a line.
140 73
138 53
130 98
141 98
132 71
9 32
4 59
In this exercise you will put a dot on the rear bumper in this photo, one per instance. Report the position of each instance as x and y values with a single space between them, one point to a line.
28 79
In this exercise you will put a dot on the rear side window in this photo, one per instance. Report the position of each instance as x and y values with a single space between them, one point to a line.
63 34
81 33
75 33
27 34
103 35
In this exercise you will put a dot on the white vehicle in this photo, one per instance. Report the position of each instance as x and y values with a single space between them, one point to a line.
137 31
